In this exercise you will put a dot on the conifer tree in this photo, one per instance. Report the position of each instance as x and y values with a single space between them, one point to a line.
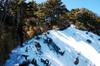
55 9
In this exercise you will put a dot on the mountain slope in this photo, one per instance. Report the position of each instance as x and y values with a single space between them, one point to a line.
68 47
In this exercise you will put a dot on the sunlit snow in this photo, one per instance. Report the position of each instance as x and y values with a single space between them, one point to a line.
68 47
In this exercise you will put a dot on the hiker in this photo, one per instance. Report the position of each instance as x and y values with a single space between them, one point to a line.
26 50
46 62
26 63
58 50
48 40
61 53
25 56
76 61
38 46
34 62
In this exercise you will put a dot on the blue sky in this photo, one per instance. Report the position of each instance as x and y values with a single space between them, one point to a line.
93 5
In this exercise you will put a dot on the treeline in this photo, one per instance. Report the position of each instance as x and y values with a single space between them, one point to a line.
85 19
20 21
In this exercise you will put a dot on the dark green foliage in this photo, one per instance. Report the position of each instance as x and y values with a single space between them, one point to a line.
85 19
54 11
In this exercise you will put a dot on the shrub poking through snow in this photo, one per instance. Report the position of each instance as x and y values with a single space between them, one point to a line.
99 39
89 41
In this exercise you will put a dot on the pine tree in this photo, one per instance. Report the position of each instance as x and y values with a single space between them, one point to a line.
31 8
55 9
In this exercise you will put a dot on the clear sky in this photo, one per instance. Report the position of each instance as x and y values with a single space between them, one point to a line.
93 5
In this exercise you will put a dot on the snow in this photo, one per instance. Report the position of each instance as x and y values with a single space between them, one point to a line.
65 47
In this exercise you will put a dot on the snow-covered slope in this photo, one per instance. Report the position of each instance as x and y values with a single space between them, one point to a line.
68 47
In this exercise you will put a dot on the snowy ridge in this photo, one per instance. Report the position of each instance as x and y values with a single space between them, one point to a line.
68 47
